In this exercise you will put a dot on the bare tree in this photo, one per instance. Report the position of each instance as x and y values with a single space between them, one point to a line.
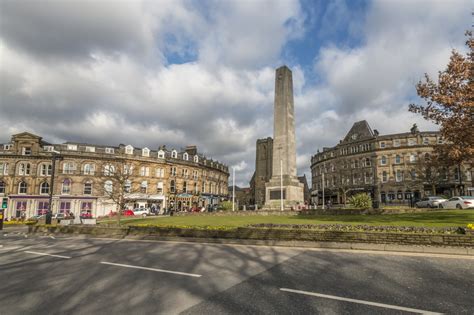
428 170
115 184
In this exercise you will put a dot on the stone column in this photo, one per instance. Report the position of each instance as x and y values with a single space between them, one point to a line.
284 147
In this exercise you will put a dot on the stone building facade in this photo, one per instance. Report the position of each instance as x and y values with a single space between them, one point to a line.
263 169
263 173
160 178
385 166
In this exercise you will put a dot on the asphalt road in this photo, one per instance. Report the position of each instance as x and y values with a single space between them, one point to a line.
98 276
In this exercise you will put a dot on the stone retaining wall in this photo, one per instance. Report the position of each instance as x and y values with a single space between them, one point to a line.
458 240
335 211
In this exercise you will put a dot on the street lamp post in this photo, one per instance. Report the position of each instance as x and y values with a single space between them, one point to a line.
322 179
233 188
54 157
281 184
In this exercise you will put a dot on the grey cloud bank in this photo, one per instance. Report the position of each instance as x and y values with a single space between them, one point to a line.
101 72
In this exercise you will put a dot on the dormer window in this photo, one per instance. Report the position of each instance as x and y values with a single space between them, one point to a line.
186 156
426 141
48 148
174 154
90 149
196 159
72 147
161 154
128 149
26 151
7 147
109 150
382 144
396 142
411 141
146 152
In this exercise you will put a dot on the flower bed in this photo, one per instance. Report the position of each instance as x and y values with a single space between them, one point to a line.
360 228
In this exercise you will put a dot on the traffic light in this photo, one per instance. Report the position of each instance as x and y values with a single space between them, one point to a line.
4 203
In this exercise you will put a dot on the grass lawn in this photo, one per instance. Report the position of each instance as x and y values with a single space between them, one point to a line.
429 219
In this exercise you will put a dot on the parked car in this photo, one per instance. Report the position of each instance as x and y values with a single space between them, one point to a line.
460 202
142 211
430 202
127 212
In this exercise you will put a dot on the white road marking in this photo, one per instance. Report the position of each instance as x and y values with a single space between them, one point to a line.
152 269
400 308
45 254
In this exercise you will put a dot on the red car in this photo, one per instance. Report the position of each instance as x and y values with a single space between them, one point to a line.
127 212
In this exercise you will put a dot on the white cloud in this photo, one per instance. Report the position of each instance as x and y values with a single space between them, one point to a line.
181 72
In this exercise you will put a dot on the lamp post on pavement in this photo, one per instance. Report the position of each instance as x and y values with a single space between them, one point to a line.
233 188
55 156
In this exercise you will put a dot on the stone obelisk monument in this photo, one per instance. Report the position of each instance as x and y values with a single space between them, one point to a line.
283 190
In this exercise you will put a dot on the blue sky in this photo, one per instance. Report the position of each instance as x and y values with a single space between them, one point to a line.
180 72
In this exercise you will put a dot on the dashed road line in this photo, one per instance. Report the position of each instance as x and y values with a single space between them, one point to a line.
46 254
333 297
152 269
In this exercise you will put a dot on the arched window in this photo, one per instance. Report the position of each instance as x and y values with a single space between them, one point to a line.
69 167
144 171
398 159
66 187
22 188
24 169
186 156
161 154
2 187
3 168
383 160
108 187
128 169
45 169
89 169
412 158
109 170
44 188
88 188
174 154
145 152
196 159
